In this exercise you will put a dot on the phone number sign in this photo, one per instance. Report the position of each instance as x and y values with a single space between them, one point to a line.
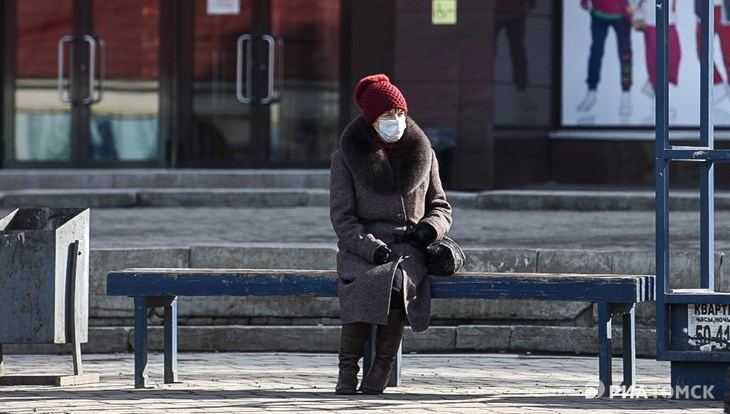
709 326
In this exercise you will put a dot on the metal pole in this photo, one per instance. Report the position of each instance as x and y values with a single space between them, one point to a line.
707 168
662 175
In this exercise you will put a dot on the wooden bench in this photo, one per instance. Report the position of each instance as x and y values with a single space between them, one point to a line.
614 294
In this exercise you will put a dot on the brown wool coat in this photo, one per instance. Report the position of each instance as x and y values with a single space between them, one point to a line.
373 199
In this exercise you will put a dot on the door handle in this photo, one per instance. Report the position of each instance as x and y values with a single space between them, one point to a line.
272 93
63 97
247 39
94 95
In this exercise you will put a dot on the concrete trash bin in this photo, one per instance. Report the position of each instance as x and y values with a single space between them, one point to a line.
44 284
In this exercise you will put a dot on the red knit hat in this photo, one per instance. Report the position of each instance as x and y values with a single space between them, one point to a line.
375 95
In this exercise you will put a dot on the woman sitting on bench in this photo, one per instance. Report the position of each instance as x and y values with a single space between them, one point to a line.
386 205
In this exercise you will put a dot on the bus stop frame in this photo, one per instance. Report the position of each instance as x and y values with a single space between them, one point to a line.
699 353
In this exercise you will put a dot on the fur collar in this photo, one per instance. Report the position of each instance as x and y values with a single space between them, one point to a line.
408 166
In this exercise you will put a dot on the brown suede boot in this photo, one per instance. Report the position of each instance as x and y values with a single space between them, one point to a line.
386 351
352 346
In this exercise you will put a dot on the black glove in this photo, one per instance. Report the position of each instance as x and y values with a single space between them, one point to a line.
382 255
420 235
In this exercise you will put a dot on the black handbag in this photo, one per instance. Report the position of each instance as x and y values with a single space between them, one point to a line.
444 257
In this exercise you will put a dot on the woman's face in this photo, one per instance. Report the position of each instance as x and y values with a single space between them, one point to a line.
390 115
391 125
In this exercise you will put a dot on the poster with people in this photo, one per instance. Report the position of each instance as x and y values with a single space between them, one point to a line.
609 65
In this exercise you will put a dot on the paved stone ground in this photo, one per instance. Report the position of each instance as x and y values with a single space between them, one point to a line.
300 383
454 383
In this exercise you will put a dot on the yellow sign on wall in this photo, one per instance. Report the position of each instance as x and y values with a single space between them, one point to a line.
443 12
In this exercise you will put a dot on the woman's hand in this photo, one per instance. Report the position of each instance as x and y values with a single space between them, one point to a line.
382 255
420 235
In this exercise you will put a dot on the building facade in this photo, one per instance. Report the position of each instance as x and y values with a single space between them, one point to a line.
268 84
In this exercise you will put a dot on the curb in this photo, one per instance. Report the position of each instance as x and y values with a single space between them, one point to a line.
319 197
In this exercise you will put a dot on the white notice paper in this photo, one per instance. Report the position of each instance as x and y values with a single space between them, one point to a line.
224 7
708 326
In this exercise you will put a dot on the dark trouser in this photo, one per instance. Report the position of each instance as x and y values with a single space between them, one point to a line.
396 295
514 29
599 31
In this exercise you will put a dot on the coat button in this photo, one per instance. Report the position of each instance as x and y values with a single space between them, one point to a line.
400 216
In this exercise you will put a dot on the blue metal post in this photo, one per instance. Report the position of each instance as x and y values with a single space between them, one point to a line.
696 348
604 348
662 175
141 376
628 322
170 341
707 139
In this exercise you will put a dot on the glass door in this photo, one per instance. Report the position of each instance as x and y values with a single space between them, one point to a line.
124 123
265 83
42 122
86 83
304 125
221 131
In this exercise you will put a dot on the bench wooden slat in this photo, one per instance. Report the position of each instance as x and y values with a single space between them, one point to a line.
589 289
220 284
258 282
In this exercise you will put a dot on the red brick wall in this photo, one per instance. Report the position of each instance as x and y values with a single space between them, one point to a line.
445 72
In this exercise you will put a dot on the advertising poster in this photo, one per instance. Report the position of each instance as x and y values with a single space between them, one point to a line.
608 61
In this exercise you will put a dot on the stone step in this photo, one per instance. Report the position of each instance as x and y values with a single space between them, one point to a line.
437 339
255 324
123 197
21 179
264 317
258 310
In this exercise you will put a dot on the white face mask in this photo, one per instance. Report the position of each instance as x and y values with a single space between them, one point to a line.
391 130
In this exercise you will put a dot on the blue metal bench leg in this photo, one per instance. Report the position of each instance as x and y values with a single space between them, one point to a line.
369 355
629 345
140 342
395 377
170 341
604 349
